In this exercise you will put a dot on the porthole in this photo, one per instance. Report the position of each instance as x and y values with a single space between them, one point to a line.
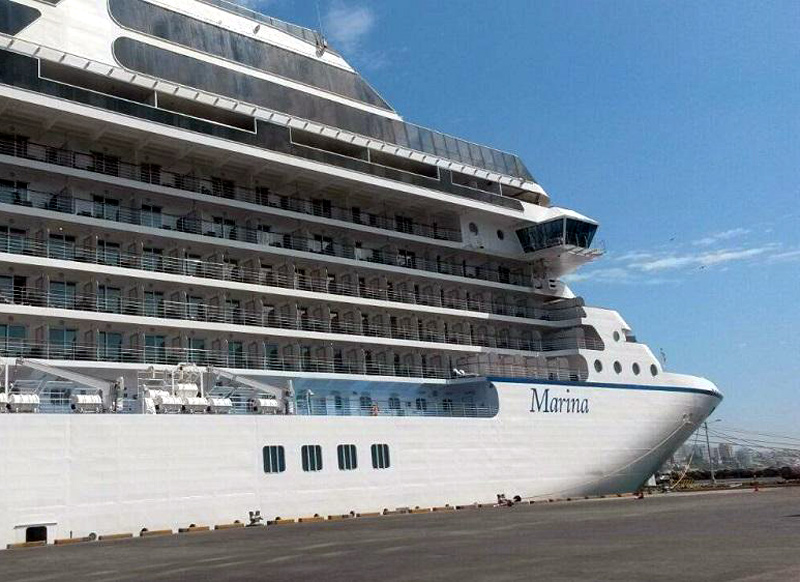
653 369
473 228
636 368
501 235
598 366
618 367
616 336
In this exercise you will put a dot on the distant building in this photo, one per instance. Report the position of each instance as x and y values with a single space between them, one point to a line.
700 452
744 457
726 452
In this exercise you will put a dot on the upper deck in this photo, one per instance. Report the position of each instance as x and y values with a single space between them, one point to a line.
213 63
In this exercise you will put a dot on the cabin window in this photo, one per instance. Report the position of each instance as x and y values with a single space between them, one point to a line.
380 456
617 367
598 366
653 370
312 458
348 459
636 369
274 459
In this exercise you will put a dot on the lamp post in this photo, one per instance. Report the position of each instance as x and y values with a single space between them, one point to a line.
710 456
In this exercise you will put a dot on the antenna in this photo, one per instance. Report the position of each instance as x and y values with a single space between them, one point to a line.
319 19
319 37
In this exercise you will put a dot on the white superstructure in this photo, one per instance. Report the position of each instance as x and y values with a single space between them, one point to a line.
234 279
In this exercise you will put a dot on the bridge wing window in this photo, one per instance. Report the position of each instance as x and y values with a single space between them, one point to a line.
580 233
562 231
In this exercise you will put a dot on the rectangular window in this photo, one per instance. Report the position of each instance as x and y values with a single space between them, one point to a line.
224 228
407 259
62 246
153 304
321 207
274 459
223 188
152 259
155 349
404 224
105 208
63 342
12 240
197 350
312 458
323 244
109 299
14 192
348 459
236 355
62 295
108 253
109 346
12 340
105 163
380 457
150 215
150 173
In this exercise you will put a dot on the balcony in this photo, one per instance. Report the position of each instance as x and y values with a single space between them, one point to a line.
89 207
23 348
207 313
224 189
194 268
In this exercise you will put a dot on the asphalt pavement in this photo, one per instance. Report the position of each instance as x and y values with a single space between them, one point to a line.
726 536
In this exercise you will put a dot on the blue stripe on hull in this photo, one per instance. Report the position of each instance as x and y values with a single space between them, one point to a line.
607 385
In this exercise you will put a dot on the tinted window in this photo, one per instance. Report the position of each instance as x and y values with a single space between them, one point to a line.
380 456
274 459
348 459
312 457
184 30
15 17
185 70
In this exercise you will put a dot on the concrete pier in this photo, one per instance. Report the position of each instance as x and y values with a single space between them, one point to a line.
722 536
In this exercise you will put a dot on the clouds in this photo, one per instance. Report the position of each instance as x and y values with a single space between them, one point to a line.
347 25
722 236
675 262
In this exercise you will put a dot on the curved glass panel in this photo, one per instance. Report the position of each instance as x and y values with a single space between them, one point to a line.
16 17
195 34
562 231
164 64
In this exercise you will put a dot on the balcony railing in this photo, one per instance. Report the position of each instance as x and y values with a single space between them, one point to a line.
190 224
67 251
204 312
332 407
165 355
226 189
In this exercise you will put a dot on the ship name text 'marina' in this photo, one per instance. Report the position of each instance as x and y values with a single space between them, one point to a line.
558 404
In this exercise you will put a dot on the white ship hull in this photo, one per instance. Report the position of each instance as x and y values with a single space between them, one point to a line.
105 474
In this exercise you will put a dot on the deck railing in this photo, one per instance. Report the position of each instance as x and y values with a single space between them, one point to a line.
219 188
190 224
161 308
167 355
154 262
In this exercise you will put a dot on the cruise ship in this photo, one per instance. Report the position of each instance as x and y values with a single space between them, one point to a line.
235 284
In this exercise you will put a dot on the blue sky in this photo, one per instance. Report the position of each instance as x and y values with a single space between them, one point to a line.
675 124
